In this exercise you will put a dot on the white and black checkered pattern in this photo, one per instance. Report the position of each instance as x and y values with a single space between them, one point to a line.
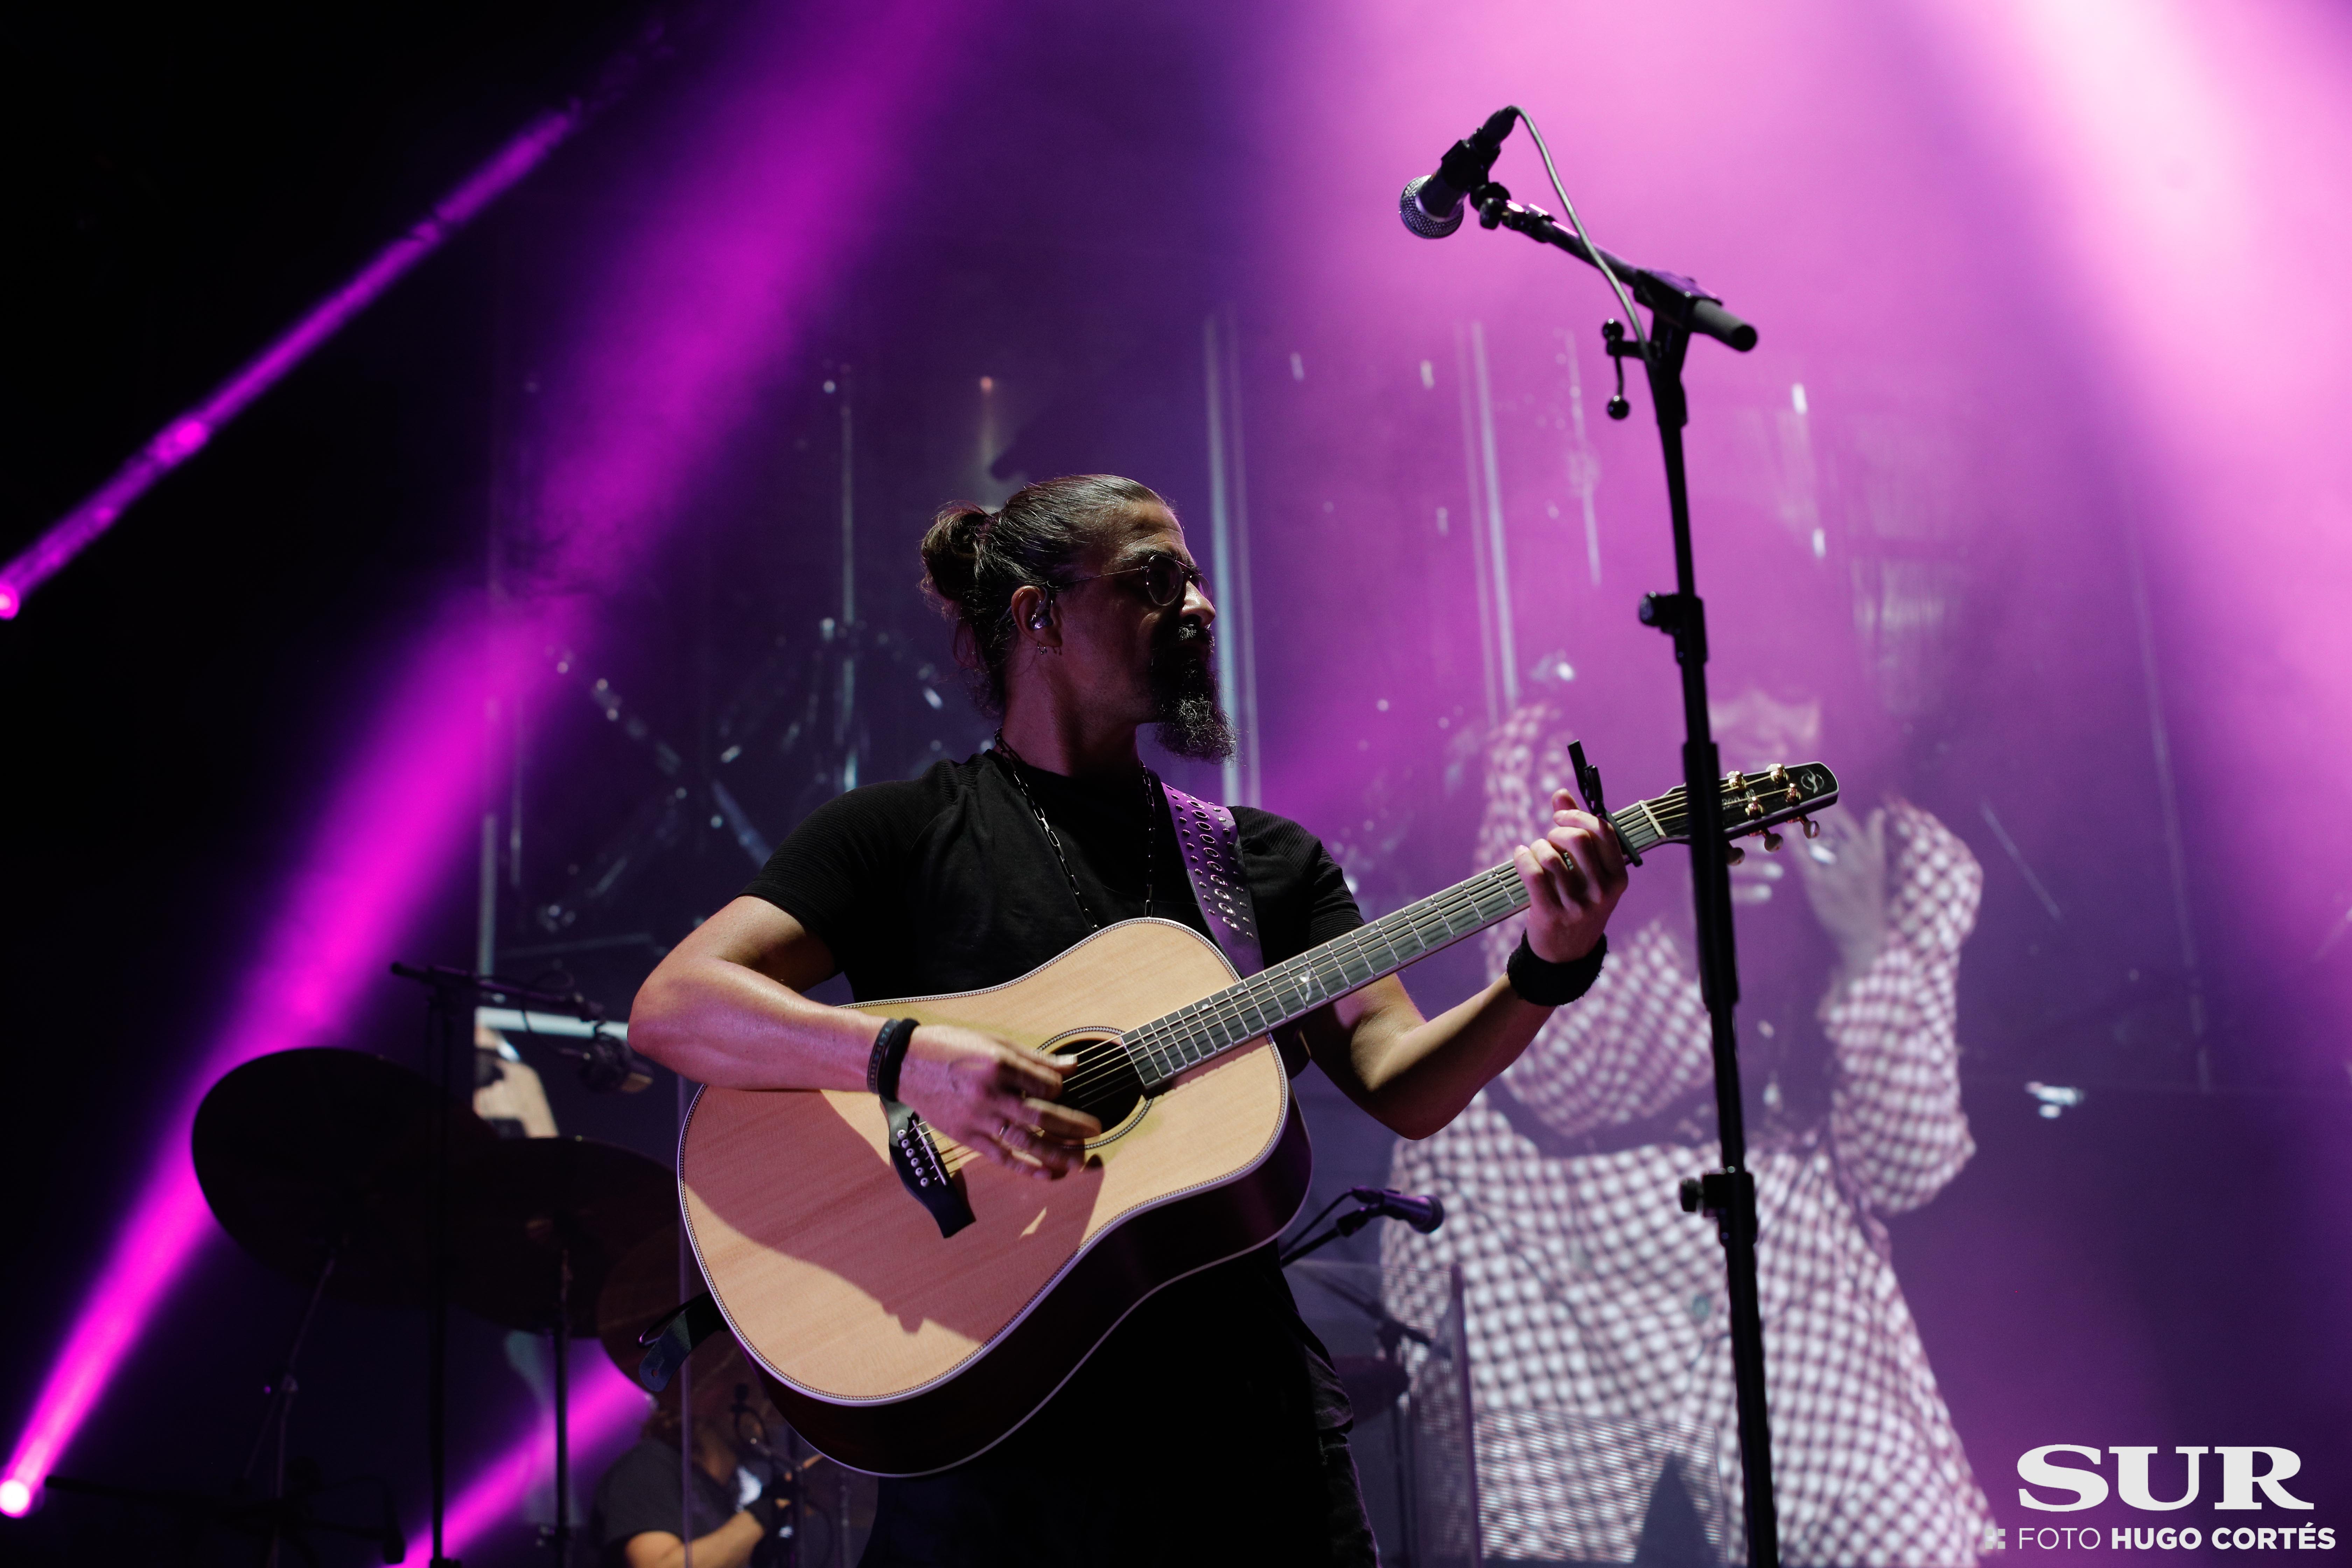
1590 1292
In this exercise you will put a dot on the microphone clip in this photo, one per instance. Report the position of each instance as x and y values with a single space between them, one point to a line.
1612 333
1462 176
1469 161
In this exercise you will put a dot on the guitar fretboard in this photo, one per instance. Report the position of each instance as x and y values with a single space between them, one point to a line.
1290 990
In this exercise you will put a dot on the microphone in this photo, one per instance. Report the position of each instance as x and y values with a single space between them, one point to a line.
1432 205
608 1066
1423 1212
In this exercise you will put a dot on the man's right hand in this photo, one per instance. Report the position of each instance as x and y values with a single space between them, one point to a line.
995 1098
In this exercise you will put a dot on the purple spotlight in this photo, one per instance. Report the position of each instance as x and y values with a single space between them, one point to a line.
186 436
339 918
147 1258
692 309
605 1404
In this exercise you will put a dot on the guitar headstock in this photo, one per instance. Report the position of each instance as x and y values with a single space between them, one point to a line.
1748 804
1757 803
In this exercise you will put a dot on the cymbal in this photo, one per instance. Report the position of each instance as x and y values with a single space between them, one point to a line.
522 1208
307 1150
641 1289
642 1285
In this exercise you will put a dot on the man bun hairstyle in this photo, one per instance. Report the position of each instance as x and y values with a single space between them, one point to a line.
975 560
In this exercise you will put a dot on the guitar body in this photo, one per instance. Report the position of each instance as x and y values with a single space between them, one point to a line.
899 1351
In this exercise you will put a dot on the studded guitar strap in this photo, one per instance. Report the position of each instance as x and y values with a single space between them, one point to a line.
1212 864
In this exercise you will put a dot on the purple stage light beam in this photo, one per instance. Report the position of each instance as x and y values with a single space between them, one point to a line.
606 1403
186 436
372 860
692 309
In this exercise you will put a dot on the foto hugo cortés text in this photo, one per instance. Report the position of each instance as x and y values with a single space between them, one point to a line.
2246 1470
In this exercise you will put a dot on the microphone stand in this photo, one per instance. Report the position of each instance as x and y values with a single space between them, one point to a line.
1347 1225
1678 308
1369 1208
453 994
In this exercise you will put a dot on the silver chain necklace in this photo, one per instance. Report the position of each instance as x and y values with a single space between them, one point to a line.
1054 839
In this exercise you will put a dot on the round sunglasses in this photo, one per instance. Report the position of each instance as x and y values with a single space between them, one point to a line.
1165 578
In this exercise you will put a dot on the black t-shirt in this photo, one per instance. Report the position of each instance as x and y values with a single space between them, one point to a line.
946 883
640 1493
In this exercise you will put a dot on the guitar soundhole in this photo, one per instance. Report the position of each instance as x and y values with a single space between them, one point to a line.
1103 1084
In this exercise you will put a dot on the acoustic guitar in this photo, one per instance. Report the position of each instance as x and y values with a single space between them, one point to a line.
897 1351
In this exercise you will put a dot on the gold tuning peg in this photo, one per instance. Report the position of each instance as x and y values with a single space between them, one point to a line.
1771 841
1812 830
1733 853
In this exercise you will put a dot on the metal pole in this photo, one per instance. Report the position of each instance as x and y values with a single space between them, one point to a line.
844 733
1730 1195
1478 553
1246 693
1583 466
2168 799
689 1278
1221 540
1506 656
444 1012
563 1337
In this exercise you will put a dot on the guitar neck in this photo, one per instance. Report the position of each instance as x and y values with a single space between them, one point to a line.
1296 986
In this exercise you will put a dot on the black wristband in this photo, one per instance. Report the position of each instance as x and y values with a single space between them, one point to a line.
1550 984
889 1054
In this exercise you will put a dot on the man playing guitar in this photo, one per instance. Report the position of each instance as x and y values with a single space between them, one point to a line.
1082 616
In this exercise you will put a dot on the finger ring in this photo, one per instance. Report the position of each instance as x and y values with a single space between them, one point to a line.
1004 1126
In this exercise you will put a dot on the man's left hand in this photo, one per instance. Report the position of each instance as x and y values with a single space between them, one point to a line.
1574 875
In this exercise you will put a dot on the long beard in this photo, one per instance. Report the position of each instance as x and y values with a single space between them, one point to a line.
1193 722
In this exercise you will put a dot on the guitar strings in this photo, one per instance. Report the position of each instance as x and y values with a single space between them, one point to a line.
1465 895
1216 1022
1224 1009
1213 1021
1222 1014
1216 1026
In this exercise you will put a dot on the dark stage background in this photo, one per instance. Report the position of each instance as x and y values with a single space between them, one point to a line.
1014 240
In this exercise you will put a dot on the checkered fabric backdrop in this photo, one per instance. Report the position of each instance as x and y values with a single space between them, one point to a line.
1592 1295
